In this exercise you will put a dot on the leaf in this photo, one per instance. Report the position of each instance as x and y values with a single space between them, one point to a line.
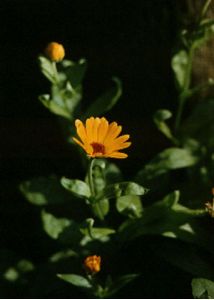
184 256
203 33
76 280
179 65
44 191
129 205
169 159
62 255
122 189
159 118
54 226
54 107
202 288
119 283
47 68
166 217
77 187
200 124
74 72
105 102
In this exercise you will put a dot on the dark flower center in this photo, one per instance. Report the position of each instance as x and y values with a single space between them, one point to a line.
98 148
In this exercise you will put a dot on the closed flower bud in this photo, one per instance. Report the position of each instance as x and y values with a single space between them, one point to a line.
92 263
55 51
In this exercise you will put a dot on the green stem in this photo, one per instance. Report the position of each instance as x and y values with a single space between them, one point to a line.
90 177
184 95
96 206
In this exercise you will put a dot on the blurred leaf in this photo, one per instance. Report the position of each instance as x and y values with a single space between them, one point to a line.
165 217
47 68
159 118
105 102
101 207
44 191
169 159
119 283
129 205
77 187
203 33
54 107
73 72
76 280
202 288
184 256
122 189
200 124
179 66
97 233
62 255
54 226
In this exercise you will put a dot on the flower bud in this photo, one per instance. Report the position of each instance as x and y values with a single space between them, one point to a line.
92 263
55 51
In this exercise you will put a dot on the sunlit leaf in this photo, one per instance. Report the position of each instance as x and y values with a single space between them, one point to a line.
179 66
54 226
44 191
129 205
202 288
77 187
76 280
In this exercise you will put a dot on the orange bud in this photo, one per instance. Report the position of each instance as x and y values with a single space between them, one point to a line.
55 51
92 263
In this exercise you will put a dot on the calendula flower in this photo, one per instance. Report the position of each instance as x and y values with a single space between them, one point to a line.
100 139
55 51
92 263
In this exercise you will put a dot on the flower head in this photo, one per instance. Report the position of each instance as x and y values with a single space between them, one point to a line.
92 263
100 139
55 51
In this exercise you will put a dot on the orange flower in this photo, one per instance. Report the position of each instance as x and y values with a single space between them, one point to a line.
55 51
100 139
92 263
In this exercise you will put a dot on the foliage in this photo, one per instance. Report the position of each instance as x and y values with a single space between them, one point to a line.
103 213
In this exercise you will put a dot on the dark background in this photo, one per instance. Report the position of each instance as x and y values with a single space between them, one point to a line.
133 40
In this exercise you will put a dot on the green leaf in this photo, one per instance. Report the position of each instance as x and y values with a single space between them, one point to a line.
62 255
76 280
203 33
105 102
202 288
169 159
129 205
166 217
77 187
119 283
47 68
44 191
73 72
159 118
54 107
54 226
122 189
200 124
179 66
184 256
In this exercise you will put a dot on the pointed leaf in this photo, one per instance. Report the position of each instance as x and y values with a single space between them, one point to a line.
106 101
129 205
76 280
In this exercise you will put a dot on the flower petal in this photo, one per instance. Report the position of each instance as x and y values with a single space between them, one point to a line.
117 146
118 155
113 132
102 130
81 130
89 129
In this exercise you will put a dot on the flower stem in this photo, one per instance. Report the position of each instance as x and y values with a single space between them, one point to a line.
96 206
90 176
